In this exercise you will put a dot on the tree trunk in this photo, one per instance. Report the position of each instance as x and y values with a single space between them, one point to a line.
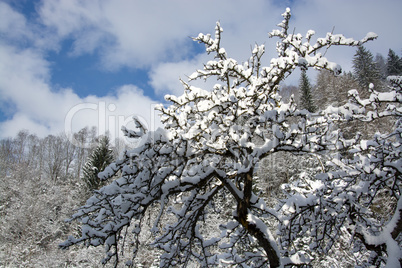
242 213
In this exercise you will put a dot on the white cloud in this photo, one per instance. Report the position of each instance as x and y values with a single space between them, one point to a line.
142 33
21 121
9 19
16 30
24 81
165 77
41 108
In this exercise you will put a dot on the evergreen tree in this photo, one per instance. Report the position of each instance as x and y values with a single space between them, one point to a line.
100 158
394 64
306 98
381 65
364 68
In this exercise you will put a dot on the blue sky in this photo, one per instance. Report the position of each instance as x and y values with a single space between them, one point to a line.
65 64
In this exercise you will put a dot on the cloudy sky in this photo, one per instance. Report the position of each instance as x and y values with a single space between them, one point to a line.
65 64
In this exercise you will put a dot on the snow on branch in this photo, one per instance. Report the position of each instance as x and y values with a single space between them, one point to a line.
196 178
135 134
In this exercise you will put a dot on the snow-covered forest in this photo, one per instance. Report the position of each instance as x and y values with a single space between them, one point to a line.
250 173
42 182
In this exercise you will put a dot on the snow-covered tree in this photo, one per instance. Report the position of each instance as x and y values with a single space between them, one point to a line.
100 158
85 141
199 172
394 64
54 155
306 97
34 205
364 68
381 65
360 196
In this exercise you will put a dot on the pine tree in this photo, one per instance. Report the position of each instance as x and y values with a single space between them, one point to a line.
394 64
100 158
306 98
364 68
381 65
